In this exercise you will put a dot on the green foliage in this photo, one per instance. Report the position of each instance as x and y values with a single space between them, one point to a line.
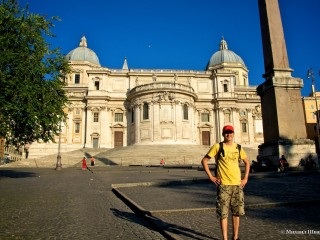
32 97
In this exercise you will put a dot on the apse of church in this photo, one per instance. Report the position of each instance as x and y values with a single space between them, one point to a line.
120 107
163 112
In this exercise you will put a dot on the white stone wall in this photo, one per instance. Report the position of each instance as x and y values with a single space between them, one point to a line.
166 92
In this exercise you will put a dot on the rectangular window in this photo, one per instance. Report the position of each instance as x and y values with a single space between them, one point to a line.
118 117
204 117
95 117
77 128
96 85
227 117
244 127
77 78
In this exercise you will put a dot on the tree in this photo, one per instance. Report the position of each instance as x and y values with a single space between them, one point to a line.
32 97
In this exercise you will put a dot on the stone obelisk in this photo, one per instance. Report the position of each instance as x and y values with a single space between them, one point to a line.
284 125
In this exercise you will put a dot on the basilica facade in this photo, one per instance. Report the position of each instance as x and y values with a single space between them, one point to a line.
111 108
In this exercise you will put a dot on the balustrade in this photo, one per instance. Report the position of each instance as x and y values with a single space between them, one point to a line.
162 85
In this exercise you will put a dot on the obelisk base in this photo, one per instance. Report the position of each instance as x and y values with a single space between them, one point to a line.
293 150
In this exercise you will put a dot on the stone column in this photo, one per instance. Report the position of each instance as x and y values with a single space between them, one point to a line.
151 116
250 126
137 122
284 126
219 123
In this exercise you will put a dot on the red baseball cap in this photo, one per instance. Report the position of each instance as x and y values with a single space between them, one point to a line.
227 128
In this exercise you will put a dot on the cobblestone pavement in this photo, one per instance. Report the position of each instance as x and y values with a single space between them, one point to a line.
150 203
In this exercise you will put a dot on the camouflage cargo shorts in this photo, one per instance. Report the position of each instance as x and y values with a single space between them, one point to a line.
229 195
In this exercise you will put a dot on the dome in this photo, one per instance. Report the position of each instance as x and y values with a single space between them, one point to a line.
224 56
83 53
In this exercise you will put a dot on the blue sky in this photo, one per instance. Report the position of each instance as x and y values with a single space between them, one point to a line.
183 34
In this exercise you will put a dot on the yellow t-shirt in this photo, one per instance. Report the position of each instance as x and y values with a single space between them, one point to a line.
228 169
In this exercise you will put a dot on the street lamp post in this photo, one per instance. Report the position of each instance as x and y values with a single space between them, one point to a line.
310 74
59 164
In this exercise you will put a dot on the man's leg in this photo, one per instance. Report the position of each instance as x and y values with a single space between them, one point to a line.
224 228
222 204
237 206
236 224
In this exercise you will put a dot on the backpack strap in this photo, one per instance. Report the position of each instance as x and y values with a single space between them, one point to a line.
239 148
218 156
221 150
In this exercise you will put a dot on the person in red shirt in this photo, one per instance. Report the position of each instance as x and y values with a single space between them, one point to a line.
84 163
283 164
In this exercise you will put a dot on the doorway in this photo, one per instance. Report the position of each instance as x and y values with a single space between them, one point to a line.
118 139
205 138
95 142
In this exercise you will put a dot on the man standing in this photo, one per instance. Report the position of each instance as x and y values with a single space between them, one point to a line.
228 179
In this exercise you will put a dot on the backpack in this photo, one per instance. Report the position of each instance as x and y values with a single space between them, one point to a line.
221 150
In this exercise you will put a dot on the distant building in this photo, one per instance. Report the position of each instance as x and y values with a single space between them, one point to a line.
311 106
120 107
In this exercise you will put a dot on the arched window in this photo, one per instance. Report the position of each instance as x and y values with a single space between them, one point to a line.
145 111
97 85
185 112
225 87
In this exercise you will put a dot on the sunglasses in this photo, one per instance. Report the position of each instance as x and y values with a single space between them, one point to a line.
228 132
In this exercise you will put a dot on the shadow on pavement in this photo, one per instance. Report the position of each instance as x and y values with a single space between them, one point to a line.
131 217
170 230
289 198
15 174
167 229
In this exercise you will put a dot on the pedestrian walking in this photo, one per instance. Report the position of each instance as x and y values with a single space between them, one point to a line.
228 179
84 163
92 161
